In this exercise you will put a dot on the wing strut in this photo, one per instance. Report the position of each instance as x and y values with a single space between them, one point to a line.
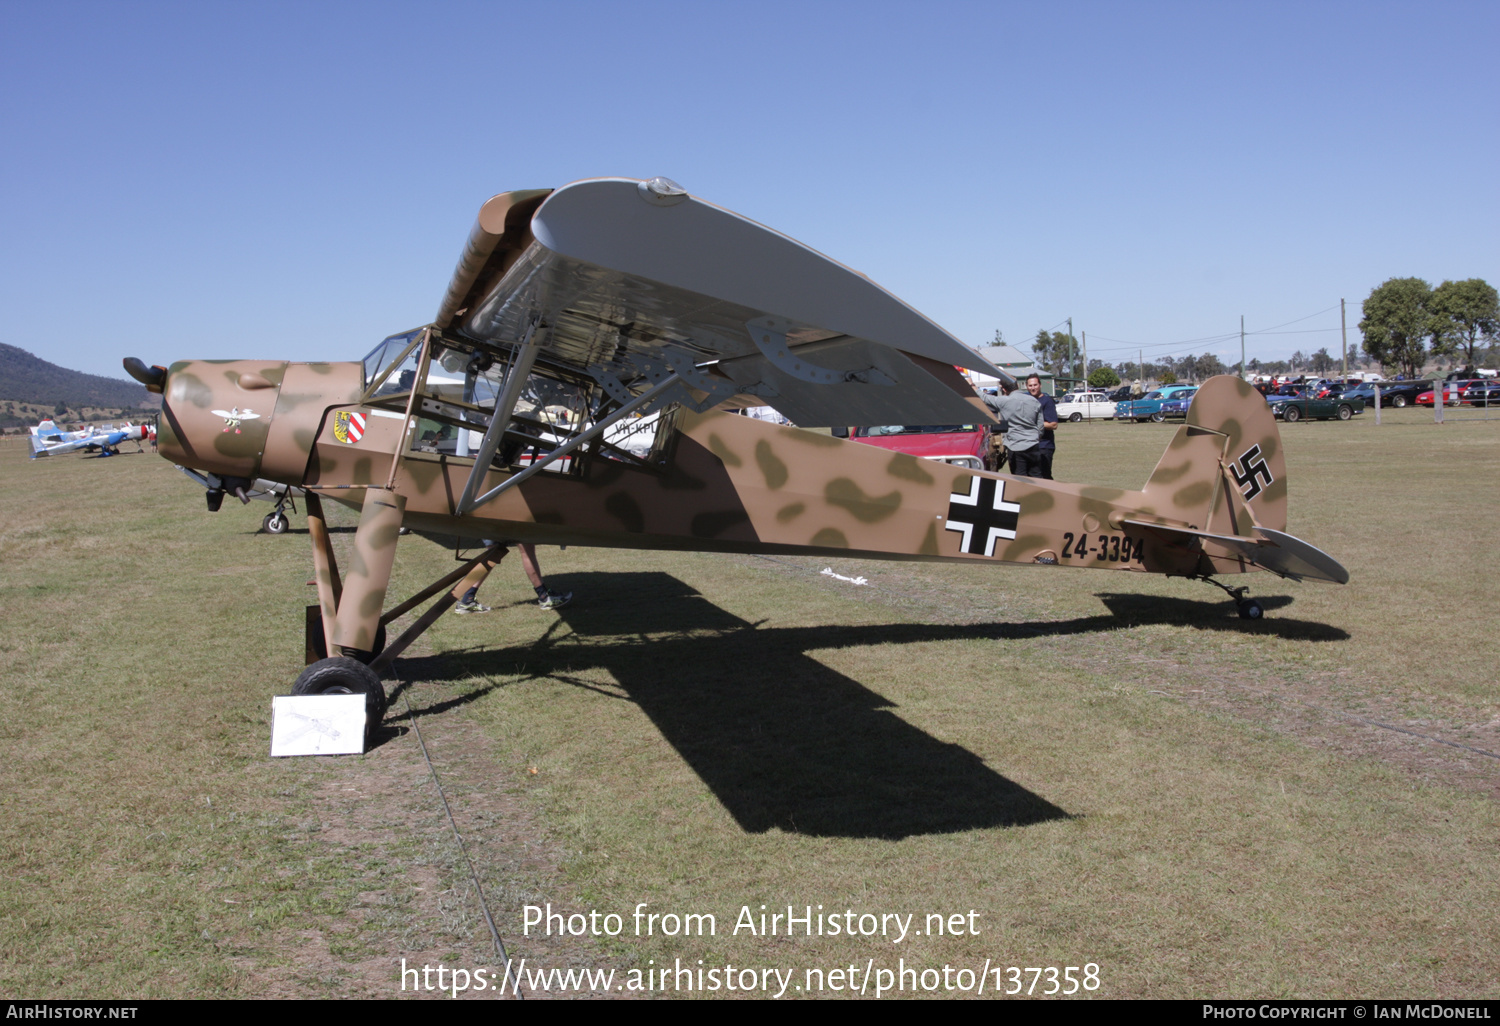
520 372
639 401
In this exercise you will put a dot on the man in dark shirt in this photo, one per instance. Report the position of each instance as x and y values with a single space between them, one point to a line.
1047 447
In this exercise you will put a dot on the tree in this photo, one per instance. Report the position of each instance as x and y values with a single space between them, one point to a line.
60 410
1053 350
1465 312
1397 320
1322 363
1168 378
1210 365
1103 377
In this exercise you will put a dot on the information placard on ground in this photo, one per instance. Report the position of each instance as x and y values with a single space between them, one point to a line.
317 725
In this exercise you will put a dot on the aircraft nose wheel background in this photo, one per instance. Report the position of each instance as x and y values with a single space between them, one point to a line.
276 523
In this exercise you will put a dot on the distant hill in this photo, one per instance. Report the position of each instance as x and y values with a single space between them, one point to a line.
26 379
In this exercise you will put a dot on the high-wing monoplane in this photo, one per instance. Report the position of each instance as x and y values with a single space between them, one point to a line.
572 388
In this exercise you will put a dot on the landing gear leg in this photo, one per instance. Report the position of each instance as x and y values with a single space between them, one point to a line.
276 521
1249 608
348 609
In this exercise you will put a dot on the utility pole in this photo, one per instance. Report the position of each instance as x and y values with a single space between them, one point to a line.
1242 347
1140 367
1344 330
1071 364
1085 337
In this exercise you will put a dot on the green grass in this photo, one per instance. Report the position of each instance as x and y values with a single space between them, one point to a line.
1121 773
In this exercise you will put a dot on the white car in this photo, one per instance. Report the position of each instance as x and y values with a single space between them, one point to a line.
1085 406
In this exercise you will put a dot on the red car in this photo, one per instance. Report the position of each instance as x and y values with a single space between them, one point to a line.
966 445
1453 393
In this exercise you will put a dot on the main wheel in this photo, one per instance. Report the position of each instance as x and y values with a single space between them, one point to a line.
1075 418
1158 417
343 676
1250 610
1345 412
1291 414
1399 401
276 523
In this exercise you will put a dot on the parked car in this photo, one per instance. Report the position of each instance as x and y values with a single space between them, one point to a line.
1392 393
1307 407
1402 393
1176 408
1122 394
965 445
1288 390
1084 406
1482 392
1148 406
1452 393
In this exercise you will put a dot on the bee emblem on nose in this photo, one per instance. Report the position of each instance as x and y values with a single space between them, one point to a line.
232 418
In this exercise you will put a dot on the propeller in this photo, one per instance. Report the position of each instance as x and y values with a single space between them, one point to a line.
152 377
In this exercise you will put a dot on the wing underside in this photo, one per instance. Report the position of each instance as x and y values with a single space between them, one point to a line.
611 274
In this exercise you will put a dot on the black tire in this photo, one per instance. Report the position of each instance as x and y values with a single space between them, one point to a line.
1399 401
276 523
1291 414
320 644
1075 418
1345 411
343 676
1158 417
1250 610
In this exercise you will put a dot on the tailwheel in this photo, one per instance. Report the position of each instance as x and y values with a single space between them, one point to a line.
1249 608
343 676
276 523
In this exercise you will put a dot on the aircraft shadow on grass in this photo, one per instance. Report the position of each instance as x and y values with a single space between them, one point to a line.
782 740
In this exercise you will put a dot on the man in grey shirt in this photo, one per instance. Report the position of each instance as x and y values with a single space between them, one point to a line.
1021 420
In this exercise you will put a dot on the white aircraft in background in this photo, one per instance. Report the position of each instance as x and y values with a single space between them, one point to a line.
49 440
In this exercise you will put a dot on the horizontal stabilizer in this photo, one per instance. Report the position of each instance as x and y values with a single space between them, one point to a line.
1270 550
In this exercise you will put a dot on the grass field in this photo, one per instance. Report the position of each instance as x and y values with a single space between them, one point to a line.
1122 774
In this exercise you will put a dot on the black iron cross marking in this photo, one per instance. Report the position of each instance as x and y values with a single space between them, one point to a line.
982 516
1250 472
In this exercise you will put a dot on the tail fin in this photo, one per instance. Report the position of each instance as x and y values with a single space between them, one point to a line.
1224 476
1224 470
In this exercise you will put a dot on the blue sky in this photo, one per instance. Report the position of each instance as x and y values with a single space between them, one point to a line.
217 179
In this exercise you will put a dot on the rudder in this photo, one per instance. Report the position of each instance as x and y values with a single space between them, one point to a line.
1225 461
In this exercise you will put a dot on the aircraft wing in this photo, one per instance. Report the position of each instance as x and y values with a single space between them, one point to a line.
41 448
617 272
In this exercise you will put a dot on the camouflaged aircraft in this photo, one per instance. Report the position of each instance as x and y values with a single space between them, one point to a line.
573 390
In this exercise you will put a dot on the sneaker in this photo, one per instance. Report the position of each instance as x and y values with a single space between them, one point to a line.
470 607
555 600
